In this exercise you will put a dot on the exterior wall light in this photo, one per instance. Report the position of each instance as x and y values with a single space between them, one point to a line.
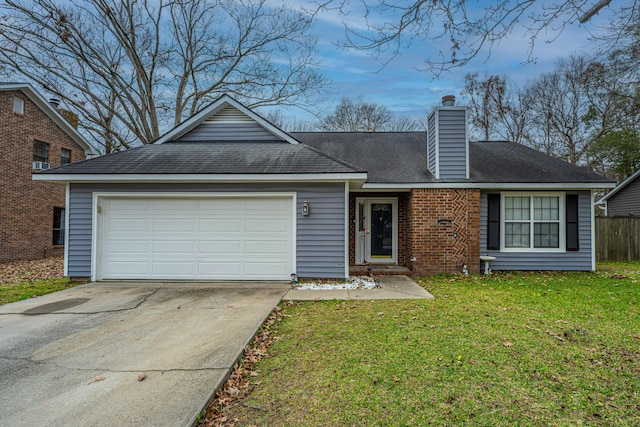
305 208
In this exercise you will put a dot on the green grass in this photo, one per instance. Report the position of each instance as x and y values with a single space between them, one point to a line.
516 349
16 291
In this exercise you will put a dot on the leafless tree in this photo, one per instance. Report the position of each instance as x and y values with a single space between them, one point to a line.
573 106
133 69
498 109
468 29
360 116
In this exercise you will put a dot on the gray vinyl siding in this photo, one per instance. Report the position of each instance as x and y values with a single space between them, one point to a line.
626 201
572 260
431 144
320 237
452 138
238 131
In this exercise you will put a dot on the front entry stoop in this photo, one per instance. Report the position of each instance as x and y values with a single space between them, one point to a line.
377 269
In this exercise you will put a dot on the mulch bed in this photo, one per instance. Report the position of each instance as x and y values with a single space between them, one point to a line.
21 271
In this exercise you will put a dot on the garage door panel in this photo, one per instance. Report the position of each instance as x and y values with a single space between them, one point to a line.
128 246
220 247
173 269
217 225
262 269
261 205
173 247
266 248
220 270
121 269
215 238
171 205
129 224
221 205
266 225
174 225
139 206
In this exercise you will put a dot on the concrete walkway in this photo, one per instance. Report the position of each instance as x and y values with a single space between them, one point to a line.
391 287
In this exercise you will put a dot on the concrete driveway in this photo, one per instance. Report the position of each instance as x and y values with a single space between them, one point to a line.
73 358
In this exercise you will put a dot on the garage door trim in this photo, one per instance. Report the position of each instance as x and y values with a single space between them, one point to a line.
96 274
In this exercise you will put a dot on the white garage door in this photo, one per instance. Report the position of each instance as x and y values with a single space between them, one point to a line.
217 238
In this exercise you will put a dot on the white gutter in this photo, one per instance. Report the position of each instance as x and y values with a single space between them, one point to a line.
164 178
489 185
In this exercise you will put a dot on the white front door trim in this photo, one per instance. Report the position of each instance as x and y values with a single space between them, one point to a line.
363 237
96 218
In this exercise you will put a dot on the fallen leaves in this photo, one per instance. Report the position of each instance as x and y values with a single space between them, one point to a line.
16 271
507 344
97 379
142 376
238 384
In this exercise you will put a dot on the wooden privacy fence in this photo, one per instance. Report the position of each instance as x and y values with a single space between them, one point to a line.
617 238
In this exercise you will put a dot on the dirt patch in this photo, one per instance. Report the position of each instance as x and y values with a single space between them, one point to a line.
20 271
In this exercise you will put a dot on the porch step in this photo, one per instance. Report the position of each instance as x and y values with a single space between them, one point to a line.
382 270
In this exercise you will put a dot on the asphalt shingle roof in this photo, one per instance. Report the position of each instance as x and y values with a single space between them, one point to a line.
401 157
211 158
387 157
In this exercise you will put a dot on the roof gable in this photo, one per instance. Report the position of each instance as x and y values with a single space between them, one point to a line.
52 113
620 186
226 120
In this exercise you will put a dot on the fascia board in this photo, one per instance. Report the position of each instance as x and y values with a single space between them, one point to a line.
493 186
165 178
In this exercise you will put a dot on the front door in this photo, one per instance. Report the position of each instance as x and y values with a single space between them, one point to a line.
376 230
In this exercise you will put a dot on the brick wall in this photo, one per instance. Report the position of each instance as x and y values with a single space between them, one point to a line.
26 208
443 230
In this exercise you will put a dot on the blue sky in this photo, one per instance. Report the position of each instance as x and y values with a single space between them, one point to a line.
410 92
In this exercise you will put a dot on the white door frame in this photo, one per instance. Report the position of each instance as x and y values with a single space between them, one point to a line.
363 230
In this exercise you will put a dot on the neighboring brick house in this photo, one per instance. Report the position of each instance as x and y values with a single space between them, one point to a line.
226 195
33 136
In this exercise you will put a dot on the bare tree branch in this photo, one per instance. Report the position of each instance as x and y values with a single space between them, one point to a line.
133 69
466 30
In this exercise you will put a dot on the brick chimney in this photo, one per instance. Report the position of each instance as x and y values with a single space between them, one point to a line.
448 141
72 118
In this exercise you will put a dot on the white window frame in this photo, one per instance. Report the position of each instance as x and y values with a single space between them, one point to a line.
531 194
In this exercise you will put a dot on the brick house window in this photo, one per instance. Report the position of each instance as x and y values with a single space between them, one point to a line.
65 157
40 151
58 226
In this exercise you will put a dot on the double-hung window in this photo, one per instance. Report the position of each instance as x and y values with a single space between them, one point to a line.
532 222
40 151
65 157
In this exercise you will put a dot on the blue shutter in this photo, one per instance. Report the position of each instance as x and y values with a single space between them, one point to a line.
572 222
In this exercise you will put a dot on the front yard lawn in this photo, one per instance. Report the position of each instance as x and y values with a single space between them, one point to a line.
551 349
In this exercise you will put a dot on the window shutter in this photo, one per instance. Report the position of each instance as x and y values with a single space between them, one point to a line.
572 222
493 223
